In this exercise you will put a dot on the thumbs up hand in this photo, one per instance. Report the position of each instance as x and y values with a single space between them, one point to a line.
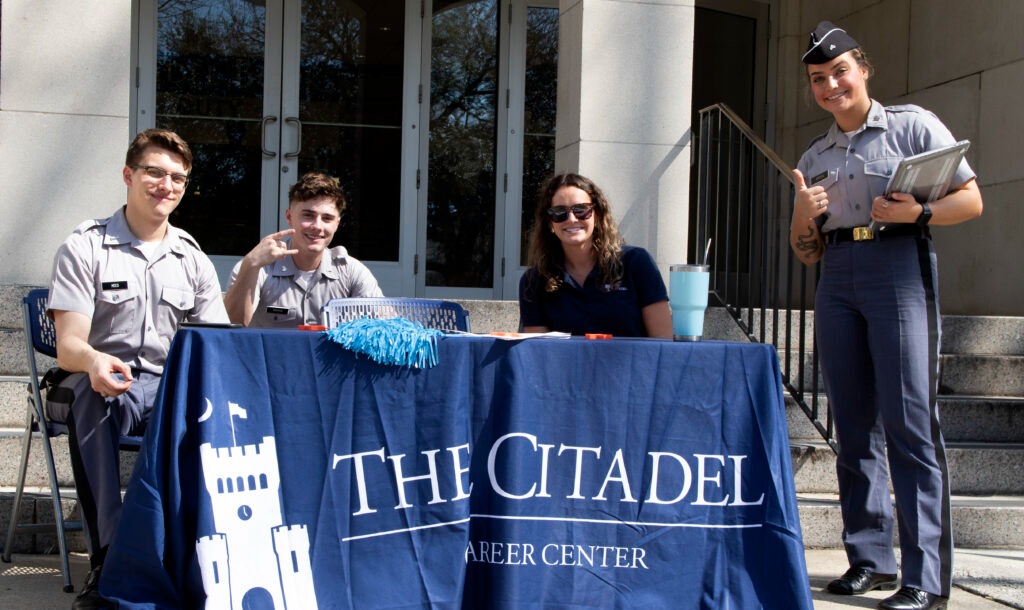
810 202
804 236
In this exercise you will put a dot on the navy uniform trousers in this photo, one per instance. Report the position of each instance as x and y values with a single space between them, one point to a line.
95 425
877 326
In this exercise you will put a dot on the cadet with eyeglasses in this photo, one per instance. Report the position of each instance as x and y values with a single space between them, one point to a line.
581 278
121 287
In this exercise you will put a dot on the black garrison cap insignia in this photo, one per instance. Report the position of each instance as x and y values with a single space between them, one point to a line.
827 43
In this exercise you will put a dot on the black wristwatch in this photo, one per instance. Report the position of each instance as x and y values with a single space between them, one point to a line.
926 215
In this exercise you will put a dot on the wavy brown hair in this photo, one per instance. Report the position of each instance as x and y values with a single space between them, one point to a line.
317 184
161 138
545 254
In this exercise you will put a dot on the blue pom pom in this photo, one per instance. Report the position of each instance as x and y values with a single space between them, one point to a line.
395 341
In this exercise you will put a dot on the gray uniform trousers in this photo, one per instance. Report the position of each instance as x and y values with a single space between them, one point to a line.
877 326
95 425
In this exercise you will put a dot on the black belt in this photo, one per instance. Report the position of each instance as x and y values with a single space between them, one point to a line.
868 235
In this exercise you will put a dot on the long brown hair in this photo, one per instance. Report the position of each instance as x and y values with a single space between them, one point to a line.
545 254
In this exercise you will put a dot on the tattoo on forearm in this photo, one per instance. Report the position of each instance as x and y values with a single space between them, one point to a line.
807 244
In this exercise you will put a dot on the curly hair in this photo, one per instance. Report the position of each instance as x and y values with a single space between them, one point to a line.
545 254
317 184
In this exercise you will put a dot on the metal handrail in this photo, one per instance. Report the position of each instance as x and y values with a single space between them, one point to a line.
744 203
745 129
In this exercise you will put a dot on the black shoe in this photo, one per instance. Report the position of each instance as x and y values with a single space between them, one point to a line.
909 598
90 598
861 580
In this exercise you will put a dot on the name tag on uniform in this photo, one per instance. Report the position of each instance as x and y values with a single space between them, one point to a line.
819 177
277 310
121 285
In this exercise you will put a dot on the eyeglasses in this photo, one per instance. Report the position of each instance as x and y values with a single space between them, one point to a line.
560 213
159 173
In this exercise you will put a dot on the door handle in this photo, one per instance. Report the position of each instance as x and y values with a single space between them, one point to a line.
267 120
298 148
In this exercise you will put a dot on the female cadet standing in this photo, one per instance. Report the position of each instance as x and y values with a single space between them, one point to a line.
877 323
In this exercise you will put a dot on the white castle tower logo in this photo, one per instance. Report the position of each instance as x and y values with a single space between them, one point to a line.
254 560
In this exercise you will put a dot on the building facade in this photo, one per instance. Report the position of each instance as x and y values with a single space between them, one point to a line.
440 118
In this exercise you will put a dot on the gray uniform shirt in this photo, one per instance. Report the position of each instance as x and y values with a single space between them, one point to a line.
284 301
856 169
136 300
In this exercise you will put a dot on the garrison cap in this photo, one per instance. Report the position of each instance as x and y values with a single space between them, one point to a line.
827 43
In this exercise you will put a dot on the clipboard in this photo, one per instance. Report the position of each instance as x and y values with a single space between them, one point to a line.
926 175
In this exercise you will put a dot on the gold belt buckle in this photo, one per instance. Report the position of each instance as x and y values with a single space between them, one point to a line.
863 233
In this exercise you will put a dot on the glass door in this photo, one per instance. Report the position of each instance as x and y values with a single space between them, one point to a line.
533 82
437 119
458 204
492 83
343 98
207 79
265 91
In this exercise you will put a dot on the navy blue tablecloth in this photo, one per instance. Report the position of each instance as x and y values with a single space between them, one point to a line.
282 471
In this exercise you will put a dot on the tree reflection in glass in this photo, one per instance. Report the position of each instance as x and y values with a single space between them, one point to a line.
463 123
210 91
350 104
539 117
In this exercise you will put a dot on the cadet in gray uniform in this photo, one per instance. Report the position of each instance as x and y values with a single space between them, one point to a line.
120 288
877 323
284 283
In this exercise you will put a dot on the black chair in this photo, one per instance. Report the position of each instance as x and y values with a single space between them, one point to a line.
440 315
41 339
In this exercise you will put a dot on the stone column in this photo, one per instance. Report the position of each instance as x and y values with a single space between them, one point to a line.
624 89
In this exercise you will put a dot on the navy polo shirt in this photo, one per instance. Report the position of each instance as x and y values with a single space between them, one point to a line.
593 307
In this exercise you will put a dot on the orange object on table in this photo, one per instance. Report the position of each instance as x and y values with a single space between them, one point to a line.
597 336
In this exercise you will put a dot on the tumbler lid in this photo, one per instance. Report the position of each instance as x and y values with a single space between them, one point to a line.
704 268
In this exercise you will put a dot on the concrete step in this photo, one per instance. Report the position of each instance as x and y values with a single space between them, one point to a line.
975 469
13 394
982 335
12 352
983 419
37 507
982 375
959 374
35 476
994 335
978 522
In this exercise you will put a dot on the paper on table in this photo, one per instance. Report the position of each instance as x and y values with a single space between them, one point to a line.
514 336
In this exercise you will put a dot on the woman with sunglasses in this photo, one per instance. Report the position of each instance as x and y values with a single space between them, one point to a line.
581 278
876 319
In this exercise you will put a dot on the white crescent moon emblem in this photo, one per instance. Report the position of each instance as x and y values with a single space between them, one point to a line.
209 411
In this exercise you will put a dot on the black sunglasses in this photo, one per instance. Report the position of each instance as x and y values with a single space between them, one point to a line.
560 213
